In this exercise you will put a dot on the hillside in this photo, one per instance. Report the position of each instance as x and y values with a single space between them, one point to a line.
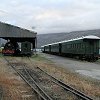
43 39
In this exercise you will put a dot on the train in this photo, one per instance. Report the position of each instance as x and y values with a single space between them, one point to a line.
13 49
26 48
84 48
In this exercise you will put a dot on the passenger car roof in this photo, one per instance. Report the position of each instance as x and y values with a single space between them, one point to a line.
83 37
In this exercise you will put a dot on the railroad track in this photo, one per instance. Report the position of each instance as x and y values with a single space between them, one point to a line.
68 88
46 85
29 80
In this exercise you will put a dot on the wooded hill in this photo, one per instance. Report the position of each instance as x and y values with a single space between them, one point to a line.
43 39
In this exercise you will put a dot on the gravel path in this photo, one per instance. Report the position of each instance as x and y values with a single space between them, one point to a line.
91 69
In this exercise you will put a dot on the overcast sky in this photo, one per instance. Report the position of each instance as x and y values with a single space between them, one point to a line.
49 16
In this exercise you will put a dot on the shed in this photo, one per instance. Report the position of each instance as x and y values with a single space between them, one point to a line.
17 34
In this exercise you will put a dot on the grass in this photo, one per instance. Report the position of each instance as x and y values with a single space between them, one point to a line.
39 57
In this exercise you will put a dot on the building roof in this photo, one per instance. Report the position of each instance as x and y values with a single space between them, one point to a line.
7 30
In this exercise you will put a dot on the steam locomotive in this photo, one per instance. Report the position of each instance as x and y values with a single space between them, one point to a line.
11 48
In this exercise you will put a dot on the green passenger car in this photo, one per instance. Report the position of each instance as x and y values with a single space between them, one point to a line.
83 48
26 48
46 48
54 48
